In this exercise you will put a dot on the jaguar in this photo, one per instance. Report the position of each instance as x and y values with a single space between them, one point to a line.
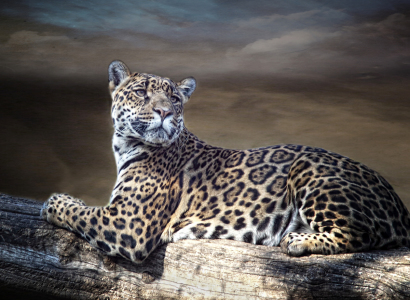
171 186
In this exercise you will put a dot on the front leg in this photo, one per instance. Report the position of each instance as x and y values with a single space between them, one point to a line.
112 231
58 208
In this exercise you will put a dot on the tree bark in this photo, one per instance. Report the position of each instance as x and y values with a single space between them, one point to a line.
39 260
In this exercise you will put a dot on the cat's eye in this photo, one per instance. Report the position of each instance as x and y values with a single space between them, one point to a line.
174 99
140 93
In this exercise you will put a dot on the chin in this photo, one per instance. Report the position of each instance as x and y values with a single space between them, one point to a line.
159 138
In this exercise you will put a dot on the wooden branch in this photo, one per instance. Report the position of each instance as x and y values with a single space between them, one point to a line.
39 260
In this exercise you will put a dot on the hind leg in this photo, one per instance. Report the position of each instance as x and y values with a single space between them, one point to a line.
338 212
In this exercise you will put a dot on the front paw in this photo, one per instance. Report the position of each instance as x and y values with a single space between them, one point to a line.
49 207
57 207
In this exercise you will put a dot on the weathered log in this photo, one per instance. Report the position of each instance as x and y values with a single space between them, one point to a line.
39 260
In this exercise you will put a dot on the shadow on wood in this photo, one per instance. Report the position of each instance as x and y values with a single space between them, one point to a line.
41 261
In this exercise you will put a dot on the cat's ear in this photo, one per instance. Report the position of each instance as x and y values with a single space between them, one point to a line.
186 87
117 72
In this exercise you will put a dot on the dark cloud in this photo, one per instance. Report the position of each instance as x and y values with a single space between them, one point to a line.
194 20
367 47
296 38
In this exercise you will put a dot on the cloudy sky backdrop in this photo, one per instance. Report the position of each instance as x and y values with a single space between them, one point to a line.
333 74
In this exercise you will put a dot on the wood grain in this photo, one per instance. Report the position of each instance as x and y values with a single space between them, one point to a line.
41 261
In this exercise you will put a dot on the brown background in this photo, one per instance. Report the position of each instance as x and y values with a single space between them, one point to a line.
334 75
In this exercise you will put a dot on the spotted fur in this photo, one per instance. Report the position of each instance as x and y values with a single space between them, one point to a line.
173 186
